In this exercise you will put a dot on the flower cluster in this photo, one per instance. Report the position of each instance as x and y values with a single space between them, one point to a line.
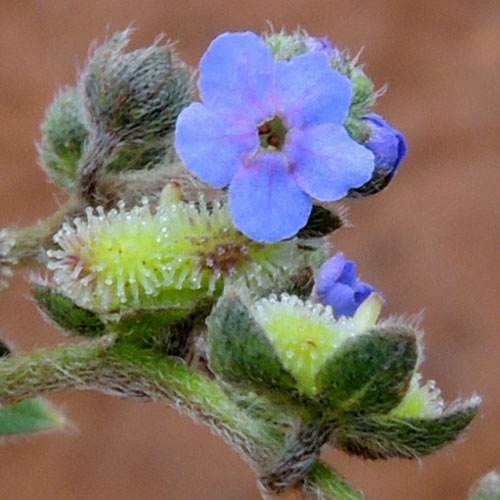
190 295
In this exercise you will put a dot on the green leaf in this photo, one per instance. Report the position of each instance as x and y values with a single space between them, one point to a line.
240 352
382 436
73 319
371 374
32 415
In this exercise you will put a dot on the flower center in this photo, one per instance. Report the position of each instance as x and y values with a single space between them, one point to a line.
272 134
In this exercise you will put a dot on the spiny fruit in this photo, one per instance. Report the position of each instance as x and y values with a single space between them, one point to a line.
123 259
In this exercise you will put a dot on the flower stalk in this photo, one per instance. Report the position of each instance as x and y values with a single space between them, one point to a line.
31 242
128 371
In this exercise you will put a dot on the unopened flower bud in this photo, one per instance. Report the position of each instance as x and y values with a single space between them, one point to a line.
388 146
338 286
135 96
63 138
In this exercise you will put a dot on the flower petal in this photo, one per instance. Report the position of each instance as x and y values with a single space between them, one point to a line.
330 272
326 162
236 73
308 91
386 143
266 203
341 298
338 286
212 146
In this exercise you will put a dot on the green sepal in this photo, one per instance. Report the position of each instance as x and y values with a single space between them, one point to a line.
487 488
302 283
63 138
138 157
363 92
321 222
369 374
167 330
283 46
4 349
382 436
240 352
73 319
357 129
32 415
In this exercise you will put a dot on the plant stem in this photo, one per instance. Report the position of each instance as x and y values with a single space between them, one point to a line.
126 370
129 371
322 483
32 241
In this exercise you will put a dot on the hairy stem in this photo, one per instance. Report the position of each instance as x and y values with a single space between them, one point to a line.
132 372
32 241
322 483
126 370
94 161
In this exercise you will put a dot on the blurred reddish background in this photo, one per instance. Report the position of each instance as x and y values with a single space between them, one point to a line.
430 241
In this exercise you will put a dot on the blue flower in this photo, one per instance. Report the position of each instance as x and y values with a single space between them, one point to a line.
338 286
388 146
272 130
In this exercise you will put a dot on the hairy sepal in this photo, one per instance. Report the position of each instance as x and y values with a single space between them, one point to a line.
370 374
386 436
239 351
71 318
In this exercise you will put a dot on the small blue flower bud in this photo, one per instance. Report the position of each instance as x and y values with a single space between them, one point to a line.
338 286
386 143
388 146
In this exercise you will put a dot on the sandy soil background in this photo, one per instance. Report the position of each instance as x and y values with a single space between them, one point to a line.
430 241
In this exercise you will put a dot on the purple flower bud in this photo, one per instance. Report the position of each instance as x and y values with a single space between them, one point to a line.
338 286
388 145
